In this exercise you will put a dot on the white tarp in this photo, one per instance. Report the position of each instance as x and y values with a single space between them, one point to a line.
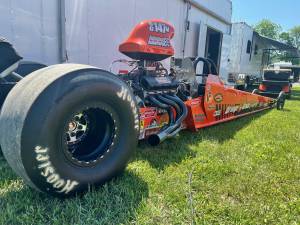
32 26
95 28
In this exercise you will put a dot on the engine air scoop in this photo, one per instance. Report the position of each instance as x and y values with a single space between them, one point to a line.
150 40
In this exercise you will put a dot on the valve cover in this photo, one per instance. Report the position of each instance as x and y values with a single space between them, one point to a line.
156 83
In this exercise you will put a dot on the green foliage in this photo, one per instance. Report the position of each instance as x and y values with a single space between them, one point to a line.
272 30
241 172
291 37
286 38
268 29
295 34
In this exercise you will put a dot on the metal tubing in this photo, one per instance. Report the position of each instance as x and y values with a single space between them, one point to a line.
171 103
161 105
173 129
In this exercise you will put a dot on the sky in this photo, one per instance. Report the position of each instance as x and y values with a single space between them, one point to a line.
283 12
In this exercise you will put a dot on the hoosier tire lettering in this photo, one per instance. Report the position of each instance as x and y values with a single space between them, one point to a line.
47 171
125 95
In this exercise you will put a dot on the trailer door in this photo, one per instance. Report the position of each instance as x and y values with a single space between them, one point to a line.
213 46
225 56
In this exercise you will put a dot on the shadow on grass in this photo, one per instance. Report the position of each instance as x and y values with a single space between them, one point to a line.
175 150
114 203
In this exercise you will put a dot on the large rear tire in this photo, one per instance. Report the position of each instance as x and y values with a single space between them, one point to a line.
69 126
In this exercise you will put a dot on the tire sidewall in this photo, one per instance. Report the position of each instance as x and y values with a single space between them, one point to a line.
42 144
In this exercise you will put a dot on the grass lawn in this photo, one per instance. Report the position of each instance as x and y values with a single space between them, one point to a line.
242 172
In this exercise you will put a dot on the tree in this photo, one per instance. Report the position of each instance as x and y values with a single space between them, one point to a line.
295 34
268 29
286 38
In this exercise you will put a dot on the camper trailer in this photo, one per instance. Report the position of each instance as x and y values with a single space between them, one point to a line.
89 32
250 54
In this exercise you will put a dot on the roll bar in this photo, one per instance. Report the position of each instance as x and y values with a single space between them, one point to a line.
212 69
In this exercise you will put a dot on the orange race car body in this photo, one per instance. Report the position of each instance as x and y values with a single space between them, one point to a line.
219 104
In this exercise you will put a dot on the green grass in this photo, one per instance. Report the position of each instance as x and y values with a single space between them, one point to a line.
242 172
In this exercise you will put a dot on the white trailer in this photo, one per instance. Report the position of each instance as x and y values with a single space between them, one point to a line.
250 54
90 31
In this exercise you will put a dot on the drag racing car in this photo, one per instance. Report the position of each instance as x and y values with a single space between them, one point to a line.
66 127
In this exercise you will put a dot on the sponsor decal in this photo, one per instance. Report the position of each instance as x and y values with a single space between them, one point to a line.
217 113
211 107
158 41
142 125
195 102
158 27
218 98
208 97
199 117
232 109
148 114
239 109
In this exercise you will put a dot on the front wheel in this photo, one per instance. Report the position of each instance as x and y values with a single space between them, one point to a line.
280 101
67 127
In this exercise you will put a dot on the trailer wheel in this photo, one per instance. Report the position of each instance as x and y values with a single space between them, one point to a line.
71 126
280 101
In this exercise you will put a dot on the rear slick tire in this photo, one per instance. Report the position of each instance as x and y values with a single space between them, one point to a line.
69 126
